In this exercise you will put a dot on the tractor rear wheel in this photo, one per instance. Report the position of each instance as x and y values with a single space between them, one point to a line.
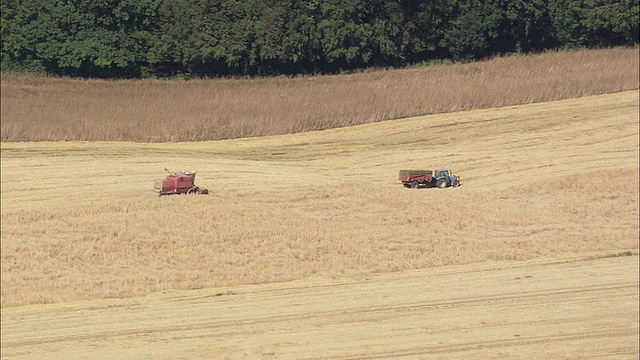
414 184
442 183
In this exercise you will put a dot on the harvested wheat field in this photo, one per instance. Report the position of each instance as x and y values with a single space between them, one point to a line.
308 247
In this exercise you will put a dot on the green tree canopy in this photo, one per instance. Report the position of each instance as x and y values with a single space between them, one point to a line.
158 38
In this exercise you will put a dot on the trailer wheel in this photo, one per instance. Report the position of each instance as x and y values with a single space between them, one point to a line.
414 184
442 183
192 190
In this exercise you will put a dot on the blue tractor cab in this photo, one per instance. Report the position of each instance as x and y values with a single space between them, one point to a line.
444 179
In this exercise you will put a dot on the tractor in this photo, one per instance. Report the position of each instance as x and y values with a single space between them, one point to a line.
440 178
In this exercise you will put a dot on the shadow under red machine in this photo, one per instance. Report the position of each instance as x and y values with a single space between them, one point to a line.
179 183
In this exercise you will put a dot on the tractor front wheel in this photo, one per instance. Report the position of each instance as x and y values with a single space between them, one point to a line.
455 183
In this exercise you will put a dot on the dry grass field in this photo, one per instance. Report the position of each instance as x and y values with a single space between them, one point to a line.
80 220
580 308
308 247
36 108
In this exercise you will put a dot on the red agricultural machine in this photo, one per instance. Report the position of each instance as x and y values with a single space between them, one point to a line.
178 183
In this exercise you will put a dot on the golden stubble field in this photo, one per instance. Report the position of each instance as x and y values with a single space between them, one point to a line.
308 240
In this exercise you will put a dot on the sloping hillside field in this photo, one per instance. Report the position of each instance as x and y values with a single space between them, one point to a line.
308 247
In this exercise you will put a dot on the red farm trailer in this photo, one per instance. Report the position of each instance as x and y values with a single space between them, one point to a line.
178 183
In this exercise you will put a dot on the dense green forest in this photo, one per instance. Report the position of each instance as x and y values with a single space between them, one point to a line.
207 38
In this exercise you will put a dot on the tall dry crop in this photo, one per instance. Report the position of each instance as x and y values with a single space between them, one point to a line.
39 108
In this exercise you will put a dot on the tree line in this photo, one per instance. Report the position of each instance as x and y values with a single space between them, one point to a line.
208 38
